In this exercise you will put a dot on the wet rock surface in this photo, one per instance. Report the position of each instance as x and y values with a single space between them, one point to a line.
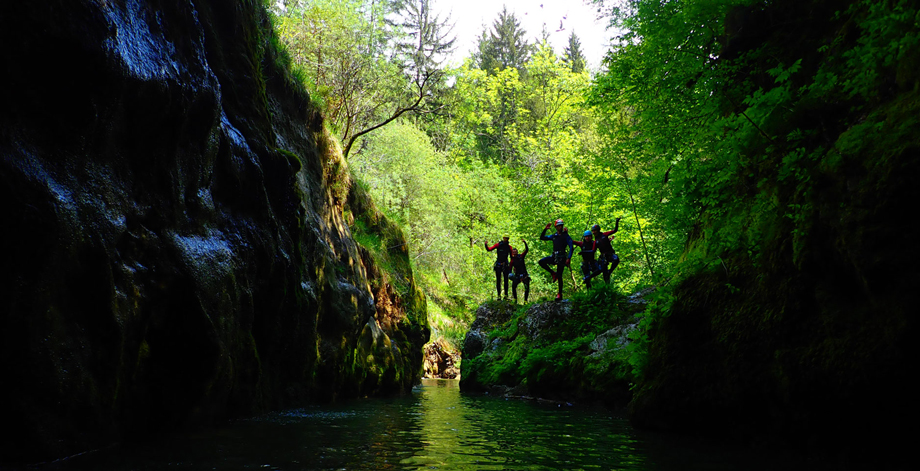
441 362
541 317
175 248
487 317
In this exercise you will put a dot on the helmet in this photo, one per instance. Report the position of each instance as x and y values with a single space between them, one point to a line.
559 222
506 236
587 233
596 228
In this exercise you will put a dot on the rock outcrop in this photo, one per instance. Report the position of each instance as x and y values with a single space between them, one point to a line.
175 247
441 361
568 350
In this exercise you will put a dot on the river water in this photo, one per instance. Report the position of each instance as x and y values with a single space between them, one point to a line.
435 428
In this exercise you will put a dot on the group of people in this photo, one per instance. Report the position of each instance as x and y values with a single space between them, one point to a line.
509 265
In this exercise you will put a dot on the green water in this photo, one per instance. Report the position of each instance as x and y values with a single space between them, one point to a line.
435 428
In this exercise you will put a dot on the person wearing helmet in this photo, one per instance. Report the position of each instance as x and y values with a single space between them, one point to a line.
519 274
608 259
501 266
559 259
589 266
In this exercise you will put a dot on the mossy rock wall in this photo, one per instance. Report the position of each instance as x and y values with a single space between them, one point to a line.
175 250
811 337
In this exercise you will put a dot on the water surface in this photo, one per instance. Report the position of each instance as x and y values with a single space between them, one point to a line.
435 428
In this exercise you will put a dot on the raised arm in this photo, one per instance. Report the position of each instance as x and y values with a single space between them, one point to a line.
526 248
490 248
543 235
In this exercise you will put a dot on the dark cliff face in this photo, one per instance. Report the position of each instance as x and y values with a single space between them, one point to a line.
812 339
174 245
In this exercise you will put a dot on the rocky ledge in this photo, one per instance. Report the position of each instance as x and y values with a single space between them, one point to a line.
568 350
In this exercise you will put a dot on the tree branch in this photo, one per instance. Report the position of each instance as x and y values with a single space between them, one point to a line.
420 84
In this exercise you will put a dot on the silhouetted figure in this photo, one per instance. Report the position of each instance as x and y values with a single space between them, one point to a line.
559 258
501 267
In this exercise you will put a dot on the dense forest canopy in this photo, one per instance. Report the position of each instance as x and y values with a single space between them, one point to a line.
701 134
501 144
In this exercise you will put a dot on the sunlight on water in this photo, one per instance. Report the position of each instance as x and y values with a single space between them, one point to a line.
434 428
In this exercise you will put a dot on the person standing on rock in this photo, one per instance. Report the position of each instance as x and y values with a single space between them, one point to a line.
608 259
501 267
519 274
559 259
589 266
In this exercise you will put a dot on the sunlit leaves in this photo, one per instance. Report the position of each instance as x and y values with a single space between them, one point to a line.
340 46
446 210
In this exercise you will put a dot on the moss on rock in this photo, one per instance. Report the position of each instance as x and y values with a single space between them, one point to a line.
804 333
177 250
574 349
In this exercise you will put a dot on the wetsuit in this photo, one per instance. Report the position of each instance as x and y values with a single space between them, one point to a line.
589 266
561 240
608 259
501 267
520 273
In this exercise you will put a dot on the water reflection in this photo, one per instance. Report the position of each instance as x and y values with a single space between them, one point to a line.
434 428
482 432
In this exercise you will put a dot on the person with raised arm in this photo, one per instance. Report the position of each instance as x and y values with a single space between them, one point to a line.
608 259
559 259
589 266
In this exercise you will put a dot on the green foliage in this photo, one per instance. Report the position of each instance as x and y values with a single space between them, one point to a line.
887 47
726 116
567 355
450 326
368 62
504 46
381 237
549 153
659 306
338 49
425 40
555 363
517 149
445 209
573 55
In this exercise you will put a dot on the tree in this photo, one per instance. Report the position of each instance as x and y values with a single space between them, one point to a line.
346 52
503 52
504 46
339 47
427 38
420 51
573 55
446 210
